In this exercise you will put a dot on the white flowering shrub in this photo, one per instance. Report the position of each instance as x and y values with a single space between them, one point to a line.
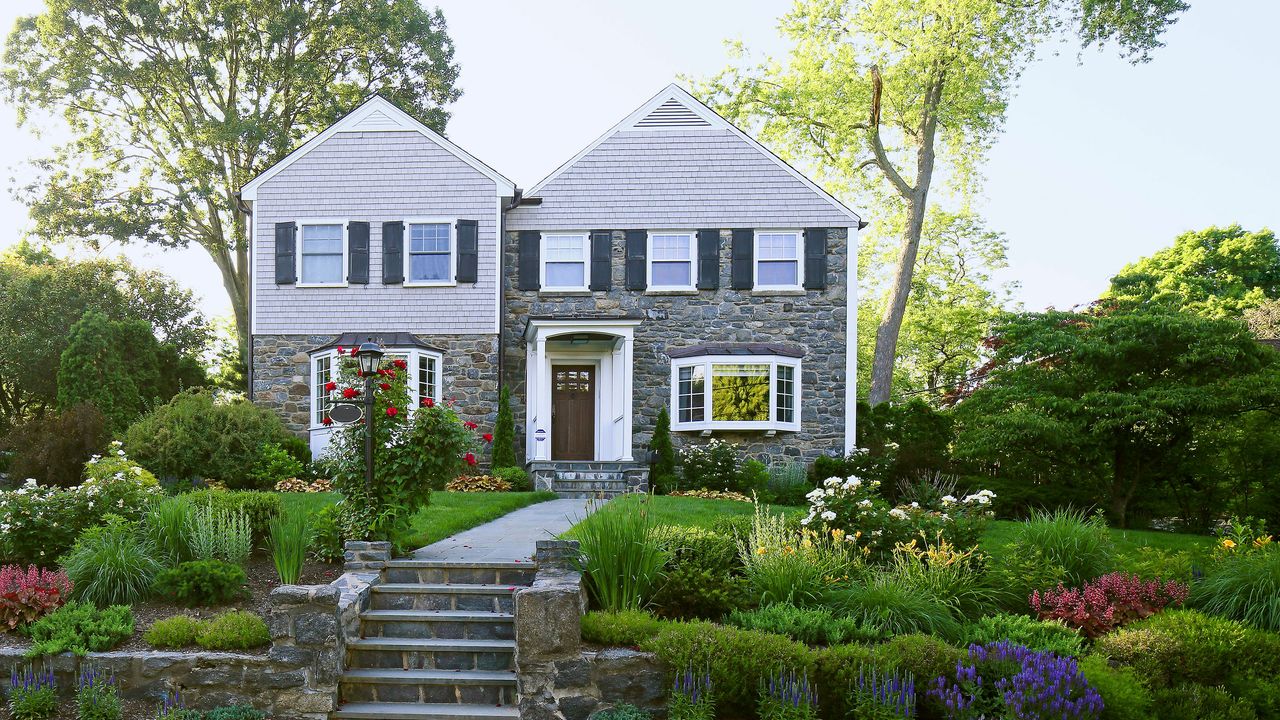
38 523
713 465
856 508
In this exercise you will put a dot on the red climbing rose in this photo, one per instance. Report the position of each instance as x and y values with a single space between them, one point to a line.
488 437
349 393
400 364
330 386
428 402
384 386
327 420
470 425
471 459
392 411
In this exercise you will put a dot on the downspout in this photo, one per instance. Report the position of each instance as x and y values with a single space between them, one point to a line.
247 210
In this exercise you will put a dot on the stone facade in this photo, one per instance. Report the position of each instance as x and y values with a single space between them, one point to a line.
814 320
282 375
558 679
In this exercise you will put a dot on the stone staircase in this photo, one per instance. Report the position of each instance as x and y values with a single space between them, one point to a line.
437 642
582 480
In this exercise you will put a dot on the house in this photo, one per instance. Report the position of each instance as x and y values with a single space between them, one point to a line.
674 262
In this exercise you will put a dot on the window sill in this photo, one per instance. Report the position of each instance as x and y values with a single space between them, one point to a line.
671 291
780 292
429 284
761 427
320 285
569 292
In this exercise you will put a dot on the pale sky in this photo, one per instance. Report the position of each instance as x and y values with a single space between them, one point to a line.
1100 163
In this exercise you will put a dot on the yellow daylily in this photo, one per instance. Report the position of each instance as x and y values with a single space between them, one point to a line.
761 550
1228 543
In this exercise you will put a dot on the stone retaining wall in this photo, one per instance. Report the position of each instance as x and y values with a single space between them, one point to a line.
558 679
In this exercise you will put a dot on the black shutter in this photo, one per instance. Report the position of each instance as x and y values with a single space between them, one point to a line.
637 250
708 259
601 259
529 258
392 253
743 256
468 251
286 253
358 247
815 258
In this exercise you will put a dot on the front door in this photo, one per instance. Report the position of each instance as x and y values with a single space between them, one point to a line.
573 412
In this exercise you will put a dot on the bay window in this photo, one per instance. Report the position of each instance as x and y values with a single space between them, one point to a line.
423 368
736 392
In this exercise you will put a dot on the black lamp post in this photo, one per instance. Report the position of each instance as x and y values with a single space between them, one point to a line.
370 357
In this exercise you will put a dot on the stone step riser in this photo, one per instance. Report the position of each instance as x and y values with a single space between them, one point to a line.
469 694
575 475
595 495
466 575
441 601
580 485
438 629
430 659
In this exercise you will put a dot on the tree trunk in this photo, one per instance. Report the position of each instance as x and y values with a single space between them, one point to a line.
896 308
233 279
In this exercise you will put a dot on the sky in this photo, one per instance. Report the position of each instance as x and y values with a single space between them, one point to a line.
1101 162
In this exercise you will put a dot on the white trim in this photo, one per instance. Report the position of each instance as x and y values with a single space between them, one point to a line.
693 262
755 261
700 109
251 233
708 362
851 344
452 224
582 235
393 120
346 252
499 236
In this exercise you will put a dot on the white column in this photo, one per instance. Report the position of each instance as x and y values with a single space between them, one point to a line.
530 399
542 450
627 367
851 341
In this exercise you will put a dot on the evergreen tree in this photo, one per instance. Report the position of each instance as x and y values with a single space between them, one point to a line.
664 462
504 433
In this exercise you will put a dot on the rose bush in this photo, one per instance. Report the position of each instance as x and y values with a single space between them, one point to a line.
856 508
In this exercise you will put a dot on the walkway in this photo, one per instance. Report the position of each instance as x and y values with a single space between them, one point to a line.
510 537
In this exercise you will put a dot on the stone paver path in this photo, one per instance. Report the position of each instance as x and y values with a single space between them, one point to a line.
510 537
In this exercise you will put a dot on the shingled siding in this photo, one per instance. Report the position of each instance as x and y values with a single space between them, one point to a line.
813 320
282 375
375 177
663 179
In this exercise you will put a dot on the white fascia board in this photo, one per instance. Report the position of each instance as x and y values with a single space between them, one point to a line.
699 108
401 122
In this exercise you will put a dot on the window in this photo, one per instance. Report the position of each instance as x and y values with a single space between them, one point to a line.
322 257
777 254
671 261
423 368
429 258
564 261
735 392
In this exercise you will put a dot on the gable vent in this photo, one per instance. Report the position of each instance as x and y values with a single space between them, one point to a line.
376 120
671 114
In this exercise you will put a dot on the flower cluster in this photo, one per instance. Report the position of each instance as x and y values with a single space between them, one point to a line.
855 506
27 595
1108 602
884 695
1006 680
1238 537
789 696
691 697
97 694
32 693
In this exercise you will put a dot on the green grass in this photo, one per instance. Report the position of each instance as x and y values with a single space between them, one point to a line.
450 513
308 503
696 512
1001 532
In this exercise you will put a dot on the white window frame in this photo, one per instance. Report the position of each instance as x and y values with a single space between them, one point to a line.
411 358
692 238
755 259
346 251
585 240
707 362
452 224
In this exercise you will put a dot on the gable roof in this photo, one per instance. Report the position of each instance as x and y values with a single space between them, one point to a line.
675 107
377 114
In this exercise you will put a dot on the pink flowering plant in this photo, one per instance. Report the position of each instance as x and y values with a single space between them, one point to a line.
856 508
418 448
1108 602
28 595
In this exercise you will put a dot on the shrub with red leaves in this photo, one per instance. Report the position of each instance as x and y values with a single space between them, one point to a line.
27 595
1108 602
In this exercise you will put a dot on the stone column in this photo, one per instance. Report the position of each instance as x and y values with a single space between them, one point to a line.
305 633
549 634
365 556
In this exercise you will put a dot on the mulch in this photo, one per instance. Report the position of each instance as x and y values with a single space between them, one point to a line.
262 577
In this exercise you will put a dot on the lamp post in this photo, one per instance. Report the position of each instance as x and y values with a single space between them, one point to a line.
370 357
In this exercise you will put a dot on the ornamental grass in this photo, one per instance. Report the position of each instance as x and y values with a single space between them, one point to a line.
620 554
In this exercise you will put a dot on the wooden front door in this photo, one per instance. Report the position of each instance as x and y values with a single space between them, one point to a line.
573 412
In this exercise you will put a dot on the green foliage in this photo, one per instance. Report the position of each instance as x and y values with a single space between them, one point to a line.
516 477
97 696
326 535
621 557
702 577
222 534
895 607
80 628
1123 401
1063 546
787 485
664 453
625 627
173 632
234 630
53 448
201 434
811 626
202 582
958 579
1244 586
622 711
290 536
32 694
167 528
260 507
504 434
271 465
738 660
1124 695
753 477
783 566
837 668
235 712
1215 272
1150 563
1177 646
713 465
1041 635
111 564
1199 702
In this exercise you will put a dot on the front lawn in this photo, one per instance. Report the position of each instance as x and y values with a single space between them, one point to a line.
1001 532
309 503
700 513
451 512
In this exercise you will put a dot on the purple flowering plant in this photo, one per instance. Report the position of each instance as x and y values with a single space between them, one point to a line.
691 697
1004 680
172 708
31 694
789 696
883 695
97 695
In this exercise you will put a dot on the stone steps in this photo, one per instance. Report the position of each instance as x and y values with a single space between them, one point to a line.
439 572
423 711
442 596
439 624
482 687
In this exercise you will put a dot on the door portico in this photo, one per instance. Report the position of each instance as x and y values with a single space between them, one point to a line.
575 355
